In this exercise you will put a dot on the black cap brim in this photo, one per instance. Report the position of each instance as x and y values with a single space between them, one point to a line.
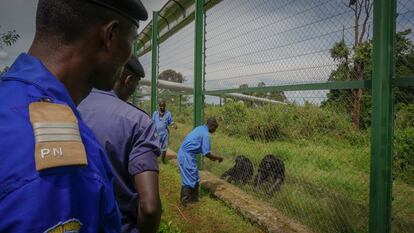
135 66
133 10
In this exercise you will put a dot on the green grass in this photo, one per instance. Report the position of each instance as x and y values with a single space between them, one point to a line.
327 180
207 216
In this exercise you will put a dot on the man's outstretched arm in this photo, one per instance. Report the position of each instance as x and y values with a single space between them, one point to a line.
214 158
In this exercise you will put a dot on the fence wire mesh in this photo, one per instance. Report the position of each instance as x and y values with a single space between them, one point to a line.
403 160
176 65
142 95
322 136
306 152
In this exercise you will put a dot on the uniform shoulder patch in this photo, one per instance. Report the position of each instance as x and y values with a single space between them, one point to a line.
57 136
70 226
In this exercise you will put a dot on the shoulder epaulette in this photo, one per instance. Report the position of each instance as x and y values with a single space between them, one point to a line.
57 136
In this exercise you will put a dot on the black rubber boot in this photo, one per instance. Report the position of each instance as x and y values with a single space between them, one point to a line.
185 196
194 193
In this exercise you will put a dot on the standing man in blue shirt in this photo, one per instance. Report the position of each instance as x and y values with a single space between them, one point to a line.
163 119
128 136
196 142
54 175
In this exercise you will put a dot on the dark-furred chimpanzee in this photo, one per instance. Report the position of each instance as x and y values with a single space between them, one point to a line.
241 172
271 173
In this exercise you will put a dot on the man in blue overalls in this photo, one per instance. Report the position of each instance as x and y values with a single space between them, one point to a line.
163 120
128 135
54 175
196 142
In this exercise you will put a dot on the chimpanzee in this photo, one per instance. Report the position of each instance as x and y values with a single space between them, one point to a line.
271 169
241 172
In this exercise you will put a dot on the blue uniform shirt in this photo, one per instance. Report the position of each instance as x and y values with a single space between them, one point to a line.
128 136
196 142
48 200
162 124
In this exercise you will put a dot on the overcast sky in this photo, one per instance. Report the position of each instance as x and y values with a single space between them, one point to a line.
276 42
20 15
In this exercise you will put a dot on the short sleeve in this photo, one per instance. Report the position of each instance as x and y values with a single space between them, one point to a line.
205 144
145 151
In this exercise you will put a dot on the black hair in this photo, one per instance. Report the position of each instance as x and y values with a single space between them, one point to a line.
212 121
69 20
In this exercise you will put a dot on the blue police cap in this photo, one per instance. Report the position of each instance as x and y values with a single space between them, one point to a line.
135 66
131 9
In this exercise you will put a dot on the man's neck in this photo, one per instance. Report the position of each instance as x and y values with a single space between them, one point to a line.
67 66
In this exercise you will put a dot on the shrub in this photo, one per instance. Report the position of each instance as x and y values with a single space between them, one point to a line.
405 116
265 133
403 162
233 117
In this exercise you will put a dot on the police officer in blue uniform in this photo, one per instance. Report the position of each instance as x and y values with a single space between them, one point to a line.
129 138
54 175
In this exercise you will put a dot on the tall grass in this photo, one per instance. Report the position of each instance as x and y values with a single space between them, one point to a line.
327 163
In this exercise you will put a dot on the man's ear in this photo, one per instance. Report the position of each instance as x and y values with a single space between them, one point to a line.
129 81
109 32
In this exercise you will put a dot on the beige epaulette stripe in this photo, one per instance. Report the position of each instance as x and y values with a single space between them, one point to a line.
56 132
59 131
58 138
55 125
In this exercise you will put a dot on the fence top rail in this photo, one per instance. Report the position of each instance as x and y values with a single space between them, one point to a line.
173 16
340 85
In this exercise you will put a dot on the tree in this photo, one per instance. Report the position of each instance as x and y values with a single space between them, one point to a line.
8 38
172 76
176 99
352 61
339 99
404 50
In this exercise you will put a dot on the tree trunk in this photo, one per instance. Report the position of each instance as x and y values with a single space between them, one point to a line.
356 108
357 94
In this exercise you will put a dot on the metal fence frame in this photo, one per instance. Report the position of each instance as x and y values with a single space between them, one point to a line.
382 84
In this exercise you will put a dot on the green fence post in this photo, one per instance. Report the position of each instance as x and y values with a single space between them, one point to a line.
198 66
154 64
198 63
382 117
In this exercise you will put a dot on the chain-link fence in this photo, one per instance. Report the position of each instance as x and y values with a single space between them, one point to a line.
403 160
290 84
176 61
325 180
142 96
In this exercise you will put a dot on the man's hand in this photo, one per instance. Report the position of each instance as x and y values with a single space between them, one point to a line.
215 158
174 125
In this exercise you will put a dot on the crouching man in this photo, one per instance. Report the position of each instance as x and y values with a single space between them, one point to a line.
196 142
